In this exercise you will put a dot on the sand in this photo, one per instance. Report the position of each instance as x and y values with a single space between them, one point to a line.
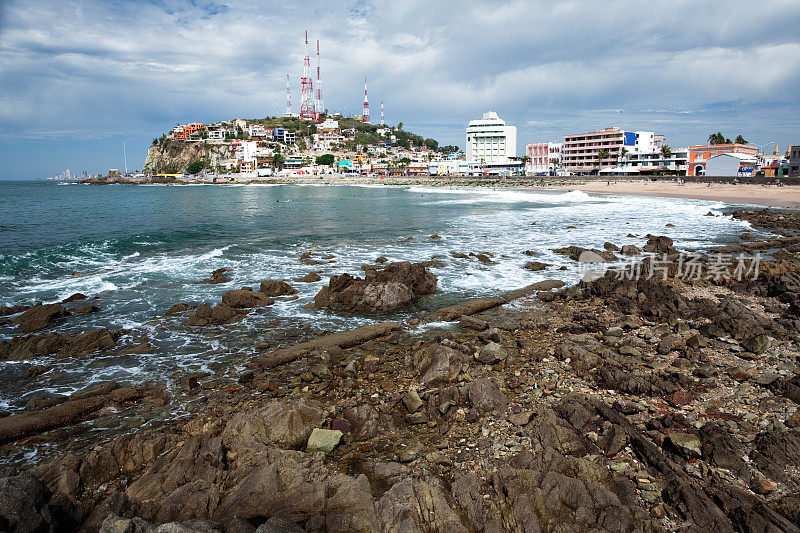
762 195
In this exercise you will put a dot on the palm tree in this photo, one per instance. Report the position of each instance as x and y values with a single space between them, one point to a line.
666 153
623 153
525 160
740 140
602 155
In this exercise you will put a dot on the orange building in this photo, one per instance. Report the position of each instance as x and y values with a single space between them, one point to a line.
696 166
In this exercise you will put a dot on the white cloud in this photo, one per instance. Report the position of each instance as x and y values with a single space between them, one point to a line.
83 67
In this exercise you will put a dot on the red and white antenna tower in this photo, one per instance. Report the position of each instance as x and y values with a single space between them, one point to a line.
307 109
365 112
288 97
320 104
381 112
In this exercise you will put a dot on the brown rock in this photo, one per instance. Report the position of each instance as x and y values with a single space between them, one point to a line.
243 299
39 317
274 288
311 277
219 276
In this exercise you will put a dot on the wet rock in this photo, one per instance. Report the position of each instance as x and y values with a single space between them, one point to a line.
217 315
274 288
89 342
574 252
77 297
311 277
84 310
245 298
220 276
396 286
39 316
659 245
535 266
12 309
630 249
492 353
610 247
757 344
323 440
685 444
178 308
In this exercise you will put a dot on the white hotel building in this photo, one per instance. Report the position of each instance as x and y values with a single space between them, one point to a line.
489 140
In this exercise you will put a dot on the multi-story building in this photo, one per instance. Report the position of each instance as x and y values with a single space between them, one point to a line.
489 140
257 130
794 160
655 161
542 157
283 136
580 152
699 154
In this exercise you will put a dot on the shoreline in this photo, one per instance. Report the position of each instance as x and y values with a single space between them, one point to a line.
773 196
667 403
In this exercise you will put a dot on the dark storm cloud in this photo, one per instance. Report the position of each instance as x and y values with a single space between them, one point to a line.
91 68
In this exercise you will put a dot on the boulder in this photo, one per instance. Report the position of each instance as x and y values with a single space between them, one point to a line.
659 245
630 249
535 266
323 440
219 276
757 344
685 444
178 308
610 247
311 277
39 316
438 365
285 425
671 343
484 395
492 353
24 505
396 286
274 288
574 252
246 298
217 315
77 297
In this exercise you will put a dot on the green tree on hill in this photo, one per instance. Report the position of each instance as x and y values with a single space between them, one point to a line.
326 159
196 166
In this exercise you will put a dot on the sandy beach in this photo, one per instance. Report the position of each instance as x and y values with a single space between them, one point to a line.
763 195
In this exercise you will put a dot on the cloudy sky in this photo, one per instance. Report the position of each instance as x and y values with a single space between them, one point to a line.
79 78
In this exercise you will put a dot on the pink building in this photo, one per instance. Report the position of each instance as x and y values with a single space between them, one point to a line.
540 156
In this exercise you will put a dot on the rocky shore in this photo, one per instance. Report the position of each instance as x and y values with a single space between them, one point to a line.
625 403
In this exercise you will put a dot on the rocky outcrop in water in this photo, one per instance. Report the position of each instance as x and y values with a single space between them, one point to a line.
388 289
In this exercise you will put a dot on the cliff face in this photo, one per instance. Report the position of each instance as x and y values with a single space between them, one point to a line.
173 157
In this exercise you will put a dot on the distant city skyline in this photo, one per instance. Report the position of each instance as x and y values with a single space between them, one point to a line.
78 79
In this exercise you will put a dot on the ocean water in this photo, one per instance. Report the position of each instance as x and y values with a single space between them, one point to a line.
136 250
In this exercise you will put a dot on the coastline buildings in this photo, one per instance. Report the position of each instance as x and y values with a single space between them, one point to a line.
580 152
542 157
643 163
489 140
731 164
700 154
794 159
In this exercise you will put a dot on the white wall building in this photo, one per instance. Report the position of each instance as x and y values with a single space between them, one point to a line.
731 164
489 140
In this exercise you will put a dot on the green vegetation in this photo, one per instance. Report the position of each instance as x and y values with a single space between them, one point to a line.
602 155
326 159
196 166
719 138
